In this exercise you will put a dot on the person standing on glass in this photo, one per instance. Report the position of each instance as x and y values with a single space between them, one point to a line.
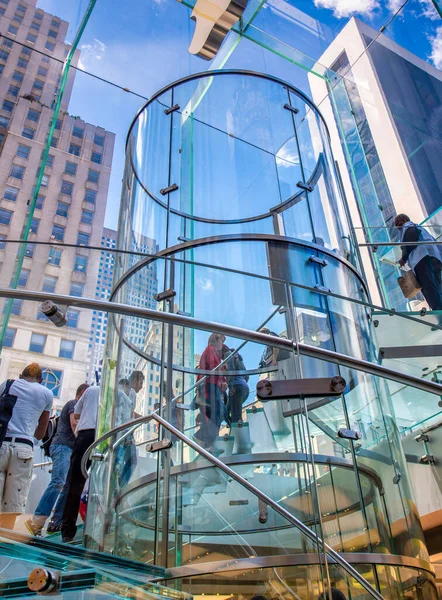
60 452
29 420
424 260
212 409
238 387
85 412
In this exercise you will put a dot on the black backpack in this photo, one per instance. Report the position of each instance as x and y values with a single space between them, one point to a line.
51 430
7 403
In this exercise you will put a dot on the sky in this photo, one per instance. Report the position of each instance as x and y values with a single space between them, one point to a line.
142 45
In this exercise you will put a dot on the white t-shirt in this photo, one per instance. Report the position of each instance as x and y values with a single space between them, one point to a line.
32 400
87 408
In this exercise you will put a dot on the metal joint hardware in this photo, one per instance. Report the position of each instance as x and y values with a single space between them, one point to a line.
166 295
97 456
300 388
349 434
172 109
317 260
158 446
263 511
305 186
291 108
423 437
427 459
43 581
170 188
322 288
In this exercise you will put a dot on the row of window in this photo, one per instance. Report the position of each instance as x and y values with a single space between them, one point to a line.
77 290
38 343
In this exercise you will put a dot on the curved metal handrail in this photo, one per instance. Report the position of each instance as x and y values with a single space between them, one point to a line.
328 550
230 330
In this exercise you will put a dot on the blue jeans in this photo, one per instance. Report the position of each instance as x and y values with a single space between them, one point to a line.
61 457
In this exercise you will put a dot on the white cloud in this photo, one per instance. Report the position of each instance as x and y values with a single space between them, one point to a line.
394 5
347 8
436 48
90 53
429 10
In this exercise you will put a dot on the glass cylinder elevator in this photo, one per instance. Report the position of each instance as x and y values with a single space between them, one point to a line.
232 213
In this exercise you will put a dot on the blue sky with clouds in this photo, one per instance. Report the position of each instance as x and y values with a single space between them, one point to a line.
142 45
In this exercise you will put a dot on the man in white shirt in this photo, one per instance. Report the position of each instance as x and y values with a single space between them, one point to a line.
85 413
29 419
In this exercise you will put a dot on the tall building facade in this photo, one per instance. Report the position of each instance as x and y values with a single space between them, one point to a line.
389 145
71 204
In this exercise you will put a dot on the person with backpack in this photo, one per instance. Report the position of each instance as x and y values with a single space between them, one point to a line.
60 450
424 260
31 405
238 387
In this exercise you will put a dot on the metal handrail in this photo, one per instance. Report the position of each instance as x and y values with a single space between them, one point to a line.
233 331
311 535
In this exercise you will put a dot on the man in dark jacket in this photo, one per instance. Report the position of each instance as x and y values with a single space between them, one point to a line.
424 260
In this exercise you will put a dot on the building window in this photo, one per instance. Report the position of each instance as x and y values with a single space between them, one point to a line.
42 71
58 124
96 158
5 216
38 341
72 318
54 257
90 195
62 209
35 26
23 278
99 140
8 106
57 233
52 380
93 176
67 188
22 63
77 132
52 33
74 149
34 225
11 193
8 340
71 168
80 263
50 160
67 348
49 46
17 172
23 151
12 29
26 51
30 249
15 307
38 16
45 181
4 121
87 217
40 202
4 55
54 142
13 90
83 239
76 289
8 43
33 115
28 133
38 85
21 9
31 37
55 23
49 284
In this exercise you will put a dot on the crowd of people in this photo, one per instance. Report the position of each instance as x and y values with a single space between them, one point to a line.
26 407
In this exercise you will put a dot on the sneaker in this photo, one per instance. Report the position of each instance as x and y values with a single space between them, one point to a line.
32 528
53 528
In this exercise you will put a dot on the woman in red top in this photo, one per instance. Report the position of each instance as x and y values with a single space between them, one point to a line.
211 405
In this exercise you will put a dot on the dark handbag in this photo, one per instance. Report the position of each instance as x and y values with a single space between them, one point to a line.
7 403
